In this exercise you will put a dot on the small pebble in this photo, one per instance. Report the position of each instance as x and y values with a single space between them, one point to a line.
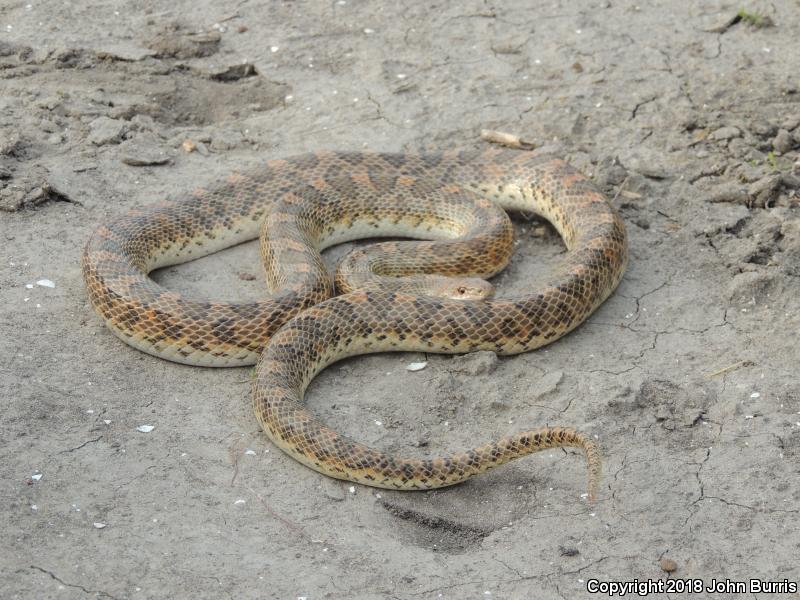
143 156
783 142
98 525
668 565
725 133
145 428
416 366
106 131
46 283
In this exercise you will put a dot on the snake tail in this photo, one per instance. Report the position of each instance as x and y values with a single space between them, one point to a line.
308 344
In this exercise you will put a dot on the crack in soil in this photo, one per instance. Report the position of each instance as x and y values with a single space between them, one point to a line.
76 586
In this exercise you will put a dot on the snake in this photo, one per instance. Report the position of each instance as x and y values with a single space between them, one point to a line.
303 204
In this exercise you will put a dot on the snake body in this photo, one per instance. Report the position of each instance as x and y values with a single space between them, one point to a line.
294 196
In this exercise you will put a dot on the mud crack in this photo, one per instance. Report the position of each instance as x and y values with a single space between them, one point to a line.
99 593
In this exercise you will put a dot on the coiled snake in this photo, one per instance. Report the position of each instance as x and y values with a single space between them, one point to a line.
313 201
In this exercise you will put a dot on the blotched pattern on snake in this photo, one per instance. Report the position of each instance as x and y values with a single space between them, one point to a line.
313 201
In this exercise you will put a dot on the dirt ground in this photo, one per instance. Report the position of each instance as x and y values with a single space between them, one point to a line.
686 113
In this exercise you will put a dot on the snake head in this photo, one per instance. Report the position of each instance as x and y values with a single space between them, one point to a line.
464 288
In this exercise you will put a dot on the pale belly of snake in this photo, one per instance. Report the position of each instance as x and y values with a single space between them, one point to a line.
398 297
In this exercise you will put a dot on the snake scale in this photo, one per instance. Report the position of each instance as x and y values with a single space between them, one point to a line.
303 204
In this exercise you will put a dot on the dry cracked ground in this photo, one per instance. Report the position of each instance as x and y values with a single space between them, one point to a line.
687 114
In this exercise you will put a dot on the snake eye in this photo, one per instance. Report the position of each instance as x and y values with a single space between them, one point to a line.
462 290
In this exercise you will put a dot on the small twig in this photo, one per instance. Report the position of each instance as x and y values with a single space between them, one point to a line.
235 453
733 367
293 526
506 139
619 189
230 18
723 27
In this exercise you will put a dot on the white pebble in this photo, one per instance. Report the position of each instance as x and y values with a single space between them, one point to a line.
29 286
34 507
352 489
99 525
417 366
240 501
36 476
145 428
46 283
755 395
250 452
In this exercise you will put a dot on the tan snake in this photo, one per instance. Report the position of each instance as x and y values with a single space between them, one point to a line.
317 200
